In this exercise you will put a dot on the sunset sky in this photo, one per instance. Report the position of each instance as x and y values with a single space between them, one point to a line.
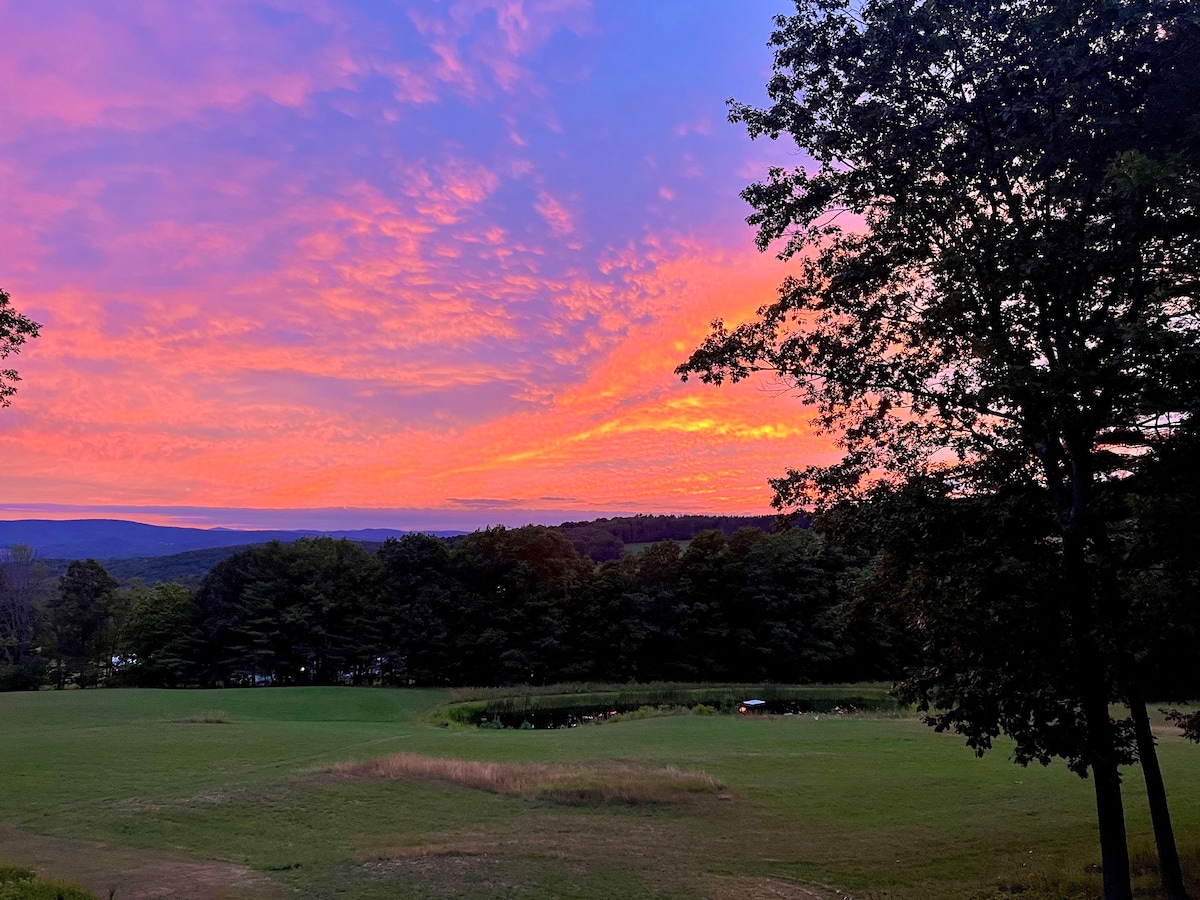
338 263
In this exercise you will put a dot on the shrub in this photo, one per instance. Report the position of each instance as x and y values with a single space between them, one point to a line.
17 883
27 675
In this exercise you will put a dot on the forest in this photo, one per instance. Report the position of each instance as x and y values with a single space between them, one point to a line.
499 606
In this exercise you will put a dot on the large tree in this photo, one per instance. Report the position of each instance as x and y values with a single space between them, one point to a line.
78 619
15 330
998 251
19 577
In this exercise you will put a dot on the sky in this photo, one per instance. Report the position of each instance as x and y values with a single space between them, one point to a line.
342 263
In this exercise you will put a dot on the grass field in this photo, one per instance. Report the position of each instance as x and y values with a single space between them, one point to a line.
236 794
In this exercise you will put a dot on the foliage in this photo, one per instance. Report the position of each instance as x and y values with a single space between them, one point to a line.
158 635
78 619
1017 283
970 576
17 883
596 543
20 577
567 705
27 675
503 606
15 330
648 529
283 613
1188 721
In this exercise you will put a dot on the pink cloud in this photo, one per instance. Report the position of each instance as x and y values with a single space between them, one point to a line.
557 216
168 403
444 191
498 55
74 66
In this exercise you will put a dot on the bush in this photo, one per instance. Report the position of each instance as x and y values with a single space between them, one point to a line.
702 709
27 675
17 883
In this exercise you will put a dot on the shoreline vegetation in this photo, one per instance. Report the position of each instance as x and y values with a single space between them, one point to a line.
567 706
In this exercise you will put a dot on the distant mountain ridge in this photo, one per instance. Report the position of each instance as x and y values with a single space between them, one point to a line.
120 539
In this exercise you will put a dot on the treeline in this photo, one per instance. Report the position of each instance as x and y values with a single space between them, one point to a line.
599 540
500 606
605 539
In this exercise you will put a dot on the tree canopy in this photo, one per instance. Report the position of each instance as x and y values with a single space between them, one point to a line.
998 239
15 330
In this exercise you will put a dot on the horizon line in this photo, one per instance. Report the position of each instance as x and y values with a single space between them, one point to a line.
463 515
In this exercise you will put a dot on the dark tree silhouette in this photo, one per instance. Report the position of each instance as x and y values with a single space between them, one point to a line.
15 330
998 246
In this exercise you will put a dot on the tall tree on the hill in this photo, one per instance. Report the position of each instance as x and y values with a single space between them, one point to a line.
999 270
78 615
285 614
18 585
415 597
15 330
158 635
516 585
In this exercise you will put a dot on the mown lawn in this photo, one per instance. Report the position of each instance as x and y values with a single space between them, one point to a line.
873 807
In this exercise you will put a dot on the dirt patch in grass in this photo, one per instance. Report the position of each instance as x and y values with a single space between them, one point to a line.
131 874
446 869
749 888
202 799
614 783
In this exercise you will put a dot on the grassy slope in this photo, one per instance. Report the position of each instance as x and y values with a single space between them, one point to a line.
870 805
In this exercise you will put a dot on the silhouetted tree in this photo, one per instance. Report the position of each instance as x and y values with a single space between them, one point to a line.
998 264
416 599
19 578
77 619
15 330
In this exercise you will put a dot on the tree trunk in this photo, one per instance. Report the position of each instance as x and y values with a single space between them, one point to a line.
1102 739
1110 814
1156 793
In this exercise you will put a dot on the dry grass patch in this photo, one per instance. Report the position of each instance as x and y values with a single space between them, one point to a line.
619 783
206 717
